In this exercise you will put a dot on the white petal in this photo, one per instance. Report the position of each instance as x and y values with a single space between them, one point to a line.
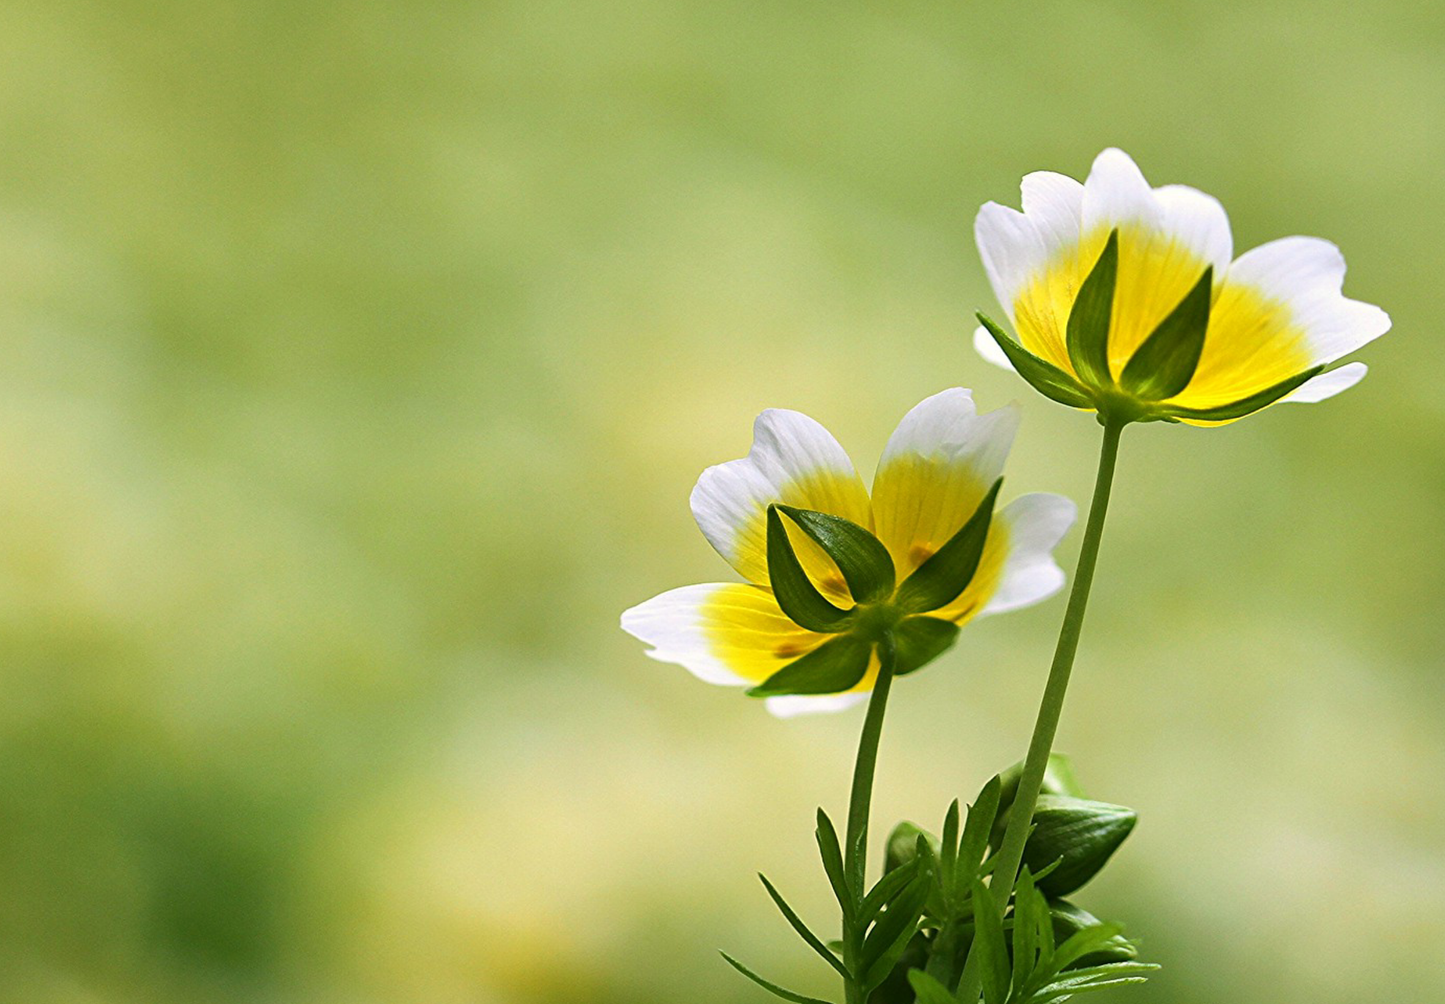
1198 222
1036 523
1327 385
948 427
1307 273
673 624
1116 194
986 347
794 460
1012 252
1017 247
803 704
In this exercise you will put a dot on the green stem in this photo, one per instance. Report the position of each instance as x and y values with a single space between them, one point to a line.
1021 814
855 844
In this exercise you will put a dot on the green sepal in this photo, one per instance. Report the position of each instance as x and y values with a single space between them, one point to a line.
939 580
771 988
1079 834
1245 406
795 592
831 668
1042 375
1069 919
920 640
832 855
1087 333
866 565
1165 363
809 938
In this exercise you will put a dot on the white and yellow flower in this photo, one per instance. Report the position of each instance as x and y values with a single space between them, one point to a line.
1268 321
939 466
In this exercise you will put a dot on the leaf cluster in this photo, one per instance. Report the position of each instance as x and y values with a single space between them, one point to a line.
930 918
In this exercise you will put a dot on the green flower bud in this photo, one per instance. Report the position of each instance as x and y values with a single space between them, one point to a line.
903 845
1078 833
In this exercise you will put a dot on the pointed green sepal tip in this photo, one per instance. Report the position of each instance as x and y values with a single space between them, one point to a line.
1165 363
902 847
1086 333
947 573
1244 406
1043 376
795 592
865 563
833 667
1077 836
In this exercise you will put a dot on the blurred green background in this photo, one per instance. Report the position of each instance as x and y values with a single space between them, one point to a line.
356 361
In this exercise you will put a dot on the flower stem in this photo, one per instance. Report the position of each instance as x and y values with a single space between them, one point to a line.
1021 814
855 845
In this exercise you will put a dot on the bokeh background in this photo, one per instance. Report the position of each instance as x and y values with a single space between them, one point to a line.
356 361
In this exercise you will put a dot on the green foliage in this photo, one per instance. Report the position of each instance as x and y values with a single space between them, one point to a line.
1165 363
1087 332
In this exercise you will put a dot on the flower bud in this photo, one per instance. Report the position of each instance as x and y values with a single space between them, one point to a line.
1079 834
903 845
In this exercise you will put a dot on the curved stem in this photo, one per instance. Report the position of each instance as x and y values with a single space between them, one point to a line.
1021 814
855 844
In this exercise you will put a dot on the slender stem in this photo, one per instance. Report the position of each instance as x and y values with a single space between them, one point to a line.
1021 814
855 844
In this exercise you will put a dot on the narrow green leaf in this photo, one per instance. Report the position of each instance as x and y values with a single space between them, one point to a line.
948 851
1087 332
771 988
866 565
831 668
885 891
886 942
976 829
939 580
795 592
832 855
927 989
1043 376
1028 905
988 943
1084 942
1066 919
809 938
1245 406
920 640
1165 363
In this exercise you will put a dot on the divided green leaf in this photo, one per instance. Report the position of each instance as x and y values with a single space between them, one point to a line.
832 855
809 938
771 988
